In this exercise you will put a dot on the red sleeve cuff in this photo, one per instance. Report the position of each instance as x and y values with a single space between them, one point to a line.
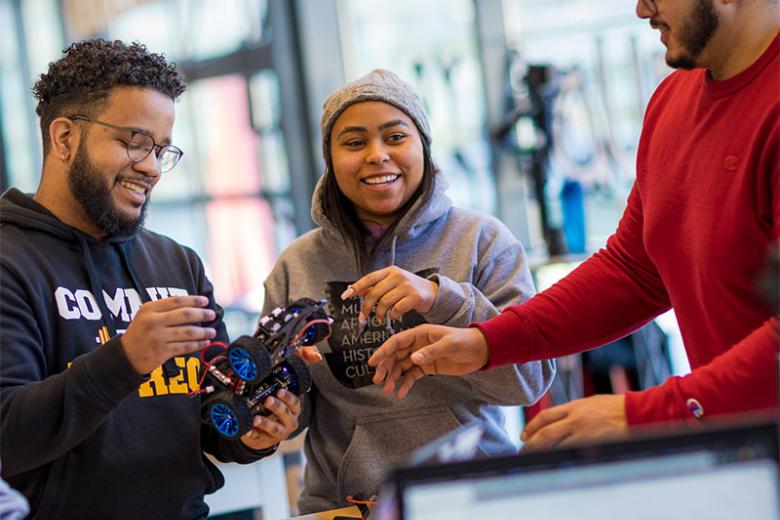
503 335
660 403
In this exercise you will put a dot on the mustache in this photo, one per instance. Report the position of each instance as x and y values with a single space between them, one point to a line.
657 24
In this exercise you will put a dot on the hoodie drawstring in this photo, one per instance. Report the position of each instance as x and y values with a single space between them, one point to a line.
96 286
97 290
142 293
169 367
392 250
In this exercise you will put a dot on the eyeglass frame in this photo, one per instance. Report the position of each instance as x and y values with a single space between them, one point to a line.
133 131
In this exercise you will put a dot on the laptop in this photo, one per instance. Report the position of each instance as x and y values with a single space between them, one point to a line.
724 472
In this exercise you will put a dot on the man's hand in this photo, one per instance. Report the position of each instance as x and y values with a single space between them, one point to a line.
591 418
270 430
427 349
166 328
392 290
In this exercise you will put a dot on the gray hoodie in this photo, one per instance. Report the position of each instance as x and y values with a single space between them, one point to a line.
356 433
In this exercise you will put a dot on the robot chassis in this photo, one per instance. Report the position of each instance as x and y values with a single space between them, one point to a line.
254 367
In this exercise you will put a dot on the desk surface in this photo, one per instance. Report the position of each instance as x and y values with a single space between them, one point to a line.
350 512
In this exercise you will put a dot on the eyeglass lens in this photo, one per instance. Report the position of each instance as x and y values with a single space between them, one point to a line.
141 145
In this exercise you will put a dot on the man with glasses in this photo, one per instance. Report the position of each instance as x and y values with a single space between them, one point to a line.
100 319
703 212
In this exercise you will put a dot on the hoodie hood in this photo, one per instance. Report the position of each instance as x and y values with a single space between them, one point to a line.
412 224
22 211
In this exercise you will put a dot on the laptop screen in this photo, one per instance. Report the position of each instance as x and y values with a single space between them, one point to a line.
725 473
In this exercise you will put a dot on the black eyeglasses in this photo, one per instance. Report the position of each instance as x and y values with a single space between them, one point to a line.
141 145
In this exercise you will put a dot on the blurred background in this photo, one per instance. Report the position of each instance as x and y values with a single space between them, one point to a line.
535 106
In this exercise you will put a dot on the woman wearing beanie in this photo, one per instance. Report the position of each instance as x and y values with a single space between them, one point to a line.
390 253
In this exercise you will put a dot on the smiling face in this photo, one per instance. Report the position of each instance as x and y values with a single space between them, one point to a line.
686 29
378 159
110 193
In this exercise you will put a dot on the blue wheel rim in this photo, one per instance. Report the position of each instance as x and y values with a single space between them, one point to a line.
242 364
224 420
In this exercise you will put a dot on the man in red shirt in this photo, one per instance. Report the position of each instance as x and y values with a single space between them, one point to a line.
703 211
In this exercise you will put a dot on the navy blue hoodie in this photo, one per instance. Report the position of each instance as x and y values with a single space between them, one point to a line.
83 435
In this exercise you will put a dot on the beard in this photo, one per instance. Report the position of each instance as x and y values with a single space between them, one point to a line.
88 186
695 33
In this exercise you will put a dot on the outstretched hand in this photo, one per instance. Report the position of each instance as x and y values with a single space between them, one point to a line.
591 418
427 350
394 292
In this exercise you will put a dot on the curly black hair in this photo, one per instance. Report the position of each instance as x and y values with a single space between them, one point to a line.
81 81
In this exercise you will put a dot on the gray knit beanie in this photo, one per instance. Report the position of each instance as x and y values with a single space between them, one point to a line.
377 85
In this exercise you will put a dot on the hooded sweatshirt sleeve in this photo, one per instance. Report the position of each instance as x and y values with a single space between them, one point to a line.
44 417
502 278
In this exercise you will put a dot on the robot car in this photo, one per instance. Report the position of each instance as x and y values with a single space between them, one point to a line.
237 380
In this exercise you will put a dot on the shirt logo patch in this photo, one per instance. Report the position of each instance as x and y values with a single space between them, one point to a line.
731 162
695 407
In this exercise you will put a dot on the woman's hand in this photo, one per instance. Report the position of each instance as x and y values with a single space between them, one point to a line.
394 292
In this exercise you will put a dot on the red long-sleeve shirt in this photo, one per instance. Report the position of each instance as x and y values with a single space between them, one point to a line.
699 220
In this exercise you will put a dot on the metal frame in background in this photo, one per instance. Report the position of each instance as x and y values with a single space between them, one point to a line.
322 63
280 53
30 124
510 185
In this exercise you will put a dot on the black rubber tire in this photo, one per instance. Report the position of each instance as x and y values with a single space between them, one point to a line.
320 330
302 383
241 413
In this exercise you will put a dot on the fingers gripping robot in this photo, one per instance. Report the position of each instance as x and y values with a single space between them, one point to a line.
239 377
